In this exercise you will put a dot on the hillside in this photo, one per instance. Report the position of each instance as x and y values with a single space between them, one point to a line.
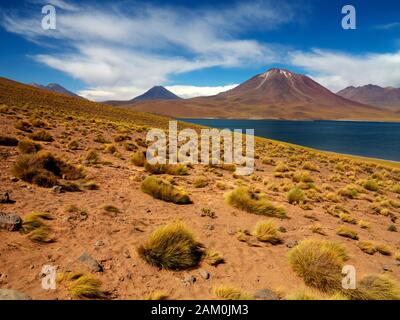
275 94
388 98
54 87
74 171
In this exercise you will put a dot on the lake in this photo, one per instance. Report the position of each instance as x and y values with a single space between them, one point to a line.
369 139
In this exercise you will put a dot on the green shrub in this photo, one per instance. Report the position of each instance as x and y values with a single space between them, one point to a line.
165 191
244 199
172 247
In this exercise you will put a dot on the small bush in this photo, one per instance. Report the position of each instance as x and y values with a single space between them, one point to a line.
350 191
244 199
44 169
296 195
139 158
41 135
172 247
200 182
371 185
230 293
319 263
267 231
208 212
28 146
8 141
214 258
23 126
165 191
347 233
375 287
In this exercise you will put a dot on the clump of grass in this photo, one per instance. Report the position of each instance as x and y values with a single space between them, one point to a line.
267 231
139 158
99 138
396 188
109 208
375 287
130 146
84 286
172 246
317 228
8 141
208 212
44 169
28 146
244 199
397 256
73 145
221 185
231 293
302 176
367 247
90 185
158 295
280 167
364 224
92 157
347 218
200 182
41 135
347 233
310 166
296 195
302 295
319 263
350 191
172 169
23 126
163 190
383 249
214 258
110 148
392 228
371 185
36 229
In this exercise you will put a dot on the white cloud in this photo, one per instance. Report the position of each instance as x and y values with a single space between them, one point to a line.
337 70
194 91
137 45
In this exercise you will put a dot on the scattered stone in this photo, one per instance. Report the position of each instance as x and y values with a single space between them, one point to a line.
292 243
10 221
204 273
265 294
189 279
127 254
99 243
90 262
5 198
210 227
57 189
387 268
14 179
6 294
282 229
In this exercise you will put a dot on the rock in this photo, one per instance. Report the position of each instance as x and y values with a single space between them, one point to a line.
126 254
5 198
282 229
99 243
189 279
204 273
265 294
292 243
90 262
6 294
57 189
10 221
14 179
387 268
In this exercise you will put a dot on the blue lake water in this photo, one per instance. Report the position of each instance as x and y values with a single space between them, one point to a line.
369 139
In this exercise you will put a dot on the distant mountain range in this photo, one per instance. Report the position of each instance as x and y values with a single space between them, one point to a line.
155 93
54 87
373 95
275 94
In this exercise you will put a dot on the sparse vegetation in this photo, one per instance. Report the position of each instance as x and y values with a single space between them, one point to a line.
214 258
319 263
8 141
163 190
267 231
296 195
231 293
41 135
172 247
347 233
28 146
36 229
244 199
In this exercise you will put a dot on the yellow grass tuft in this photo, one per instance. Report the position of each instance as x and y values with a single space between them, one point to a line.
296 195
164 190
347 233
231 293
267 231
319 263
158 295
244 199
172 247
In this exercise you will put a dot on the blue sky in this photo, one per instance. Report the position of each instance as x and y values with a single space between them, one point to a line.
118 49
